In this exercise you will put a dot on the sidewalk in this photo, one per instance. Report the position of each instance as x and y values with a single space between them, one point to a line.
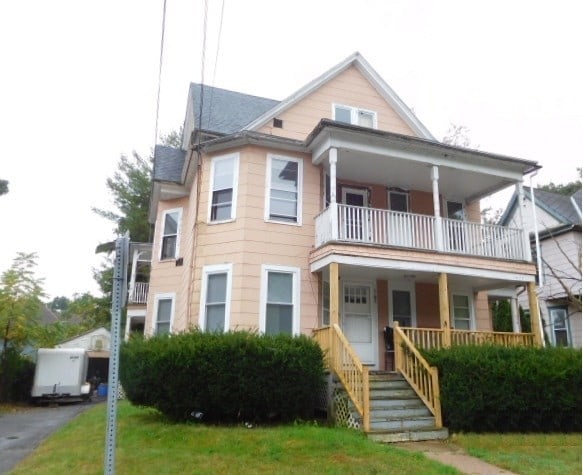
450 454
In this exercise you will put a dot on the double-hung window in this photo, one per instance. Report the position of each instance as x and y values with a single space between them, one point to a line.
280 300
170 234
223 189
560 325
354 116
215 303
164 311
284 190
462 312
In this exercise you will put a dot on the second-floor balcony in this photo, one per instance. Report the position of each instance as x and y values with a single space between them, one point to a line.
138 293
363 225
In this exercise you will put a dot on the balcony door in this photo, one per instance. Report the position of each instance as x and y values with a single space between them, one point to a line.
359 320
400 226
402 307
353 218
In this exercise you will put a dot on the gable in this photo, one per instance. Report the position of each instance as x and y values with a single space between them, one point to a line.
349 88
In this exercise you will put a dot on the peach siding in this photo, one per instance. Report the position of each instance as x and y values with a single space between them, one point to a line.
427 301
482 312
473 212
383 316
249 241
349 88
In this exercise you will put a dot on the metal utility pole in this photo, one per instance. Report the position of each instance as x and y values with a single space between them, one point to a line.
118 302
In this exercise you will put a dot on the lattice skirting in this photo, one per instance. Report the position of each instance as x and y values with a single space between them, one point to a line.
342 412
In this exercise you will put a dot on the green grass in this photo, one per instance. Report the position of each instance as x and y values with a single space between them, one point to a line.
526 454
148 443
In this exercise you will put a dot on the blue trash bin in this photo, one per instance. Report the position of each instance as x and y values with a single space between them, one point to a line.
102 390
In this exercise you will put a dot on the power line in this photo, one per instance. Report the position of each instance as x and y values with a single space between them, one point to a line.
203 58
216 61
160 72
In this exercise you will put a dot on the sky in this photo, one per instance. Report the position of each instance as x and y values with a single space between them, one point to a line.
79 86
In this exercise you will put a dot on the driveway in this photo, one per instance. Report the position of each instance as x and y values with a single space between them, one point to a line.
22 431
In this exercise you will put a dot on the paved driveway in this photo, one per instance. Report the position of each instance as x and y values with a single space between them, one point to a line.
22 431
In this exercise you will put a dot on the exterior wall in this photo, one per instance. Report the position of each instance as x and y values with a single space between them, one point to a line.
421 202
482 314
249 241
349 88
544 219
472 211
383 316
88 341
427 299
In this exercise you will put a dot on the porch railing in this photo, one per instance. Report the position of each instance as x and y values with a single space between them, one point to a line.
354 376
470 337
422 377
357 224
139 293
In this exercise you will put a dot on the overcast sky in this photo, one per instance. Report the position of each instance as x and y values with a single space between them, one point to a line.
79 80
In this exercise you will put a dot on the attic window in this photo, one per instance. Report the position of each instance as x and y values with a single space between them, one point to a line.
278 123
355 116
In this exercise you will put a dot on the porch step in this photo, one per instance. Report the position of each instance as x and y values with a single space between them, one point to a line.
396 412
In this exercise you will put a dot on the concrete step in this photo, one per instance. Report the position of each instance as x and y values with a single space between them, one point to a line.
389 384
384 436
402 423
382 402
401 393
400 411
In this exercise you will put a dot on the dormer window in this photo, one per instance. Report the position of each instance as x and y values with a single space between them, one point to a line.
354 116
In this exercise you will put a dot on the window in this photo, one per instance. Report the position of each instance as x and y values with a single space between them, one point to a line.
325 303
355 116
280 300
164 310
223 189
399 201
171 231
461 312
284 190
402 311
455 210
215 304
560 326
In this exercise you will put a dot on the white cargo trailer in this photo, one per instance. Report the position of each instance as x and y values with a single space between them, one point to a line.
60 375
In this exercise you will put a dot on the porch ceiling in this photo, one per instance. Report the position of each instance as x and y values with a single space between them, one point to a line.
373 156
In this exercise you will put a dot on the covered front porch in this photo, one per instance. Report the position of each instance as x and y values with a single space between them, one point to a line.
425 306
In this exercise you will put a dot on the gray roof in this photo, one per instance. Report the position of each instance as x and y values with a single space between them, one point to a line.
226 112
168 164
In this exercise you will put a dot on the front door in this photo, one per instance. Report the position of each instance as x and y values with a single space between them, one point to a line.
359 321
354 218
402 306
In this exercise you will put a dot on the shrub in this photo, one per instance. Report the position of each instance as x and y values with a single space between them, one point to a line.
227 377
498 389
17 375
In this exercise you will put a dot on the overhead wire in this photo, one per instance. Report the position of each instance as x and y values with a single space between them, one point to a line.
160 71
203 59
216 61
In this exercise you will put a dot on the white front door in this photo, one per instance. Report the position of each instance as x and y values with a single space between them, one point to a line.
359 321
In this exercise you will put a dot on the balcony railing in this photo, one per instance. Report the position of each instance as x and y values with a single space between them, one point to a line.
139 293
362 225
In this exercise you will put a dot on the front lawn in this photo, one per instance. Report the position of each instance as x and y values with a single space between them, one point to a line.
148 443
526 454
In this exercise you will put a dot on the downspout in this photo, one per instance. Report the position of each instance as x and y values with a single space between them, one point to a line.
576 206
538 254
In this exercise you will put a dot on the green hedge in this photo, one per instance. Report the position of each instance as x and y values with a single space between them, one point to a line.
498 389
227 377
16 377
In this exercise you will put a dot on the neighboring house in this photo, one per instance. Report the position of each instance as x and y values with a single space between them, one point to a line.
97 344
558 225
335 213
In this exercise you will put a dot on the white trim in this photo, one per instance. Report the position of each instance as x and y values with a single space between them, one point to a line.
452 200
296 282
407 286
551 325
165 296
178 233
234 185
209 270
300 162
380 263
354 111
399 192
470 297
355 191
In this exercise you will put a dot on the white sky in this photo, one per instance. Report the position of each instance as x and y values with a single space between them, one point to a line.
78 88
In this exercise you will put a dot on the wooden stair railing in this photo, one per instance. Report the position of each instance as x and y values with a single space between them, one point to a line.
422 377
353 375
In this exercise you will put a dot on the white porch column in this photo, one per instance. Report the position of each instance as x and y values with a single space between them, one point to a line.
525 238
436 208
332 160
516 327
132 286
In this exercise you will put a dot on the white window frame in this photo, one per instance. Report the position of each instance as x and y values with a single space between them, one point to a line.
567 328
234 186
210 270
399 192
165 296
470 298
178 232
446 212
354 111
300 163
296 282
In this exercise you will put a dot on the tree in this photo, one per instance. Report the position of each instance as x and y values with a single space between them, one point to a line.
565 189
458 136
3 187
20 306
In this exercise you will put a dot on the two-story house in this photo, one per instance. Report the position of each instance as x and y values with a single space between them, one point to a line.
558 229
333 212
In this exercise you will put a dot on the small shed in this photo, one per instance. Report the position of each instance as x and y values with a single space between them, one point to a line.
97 344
